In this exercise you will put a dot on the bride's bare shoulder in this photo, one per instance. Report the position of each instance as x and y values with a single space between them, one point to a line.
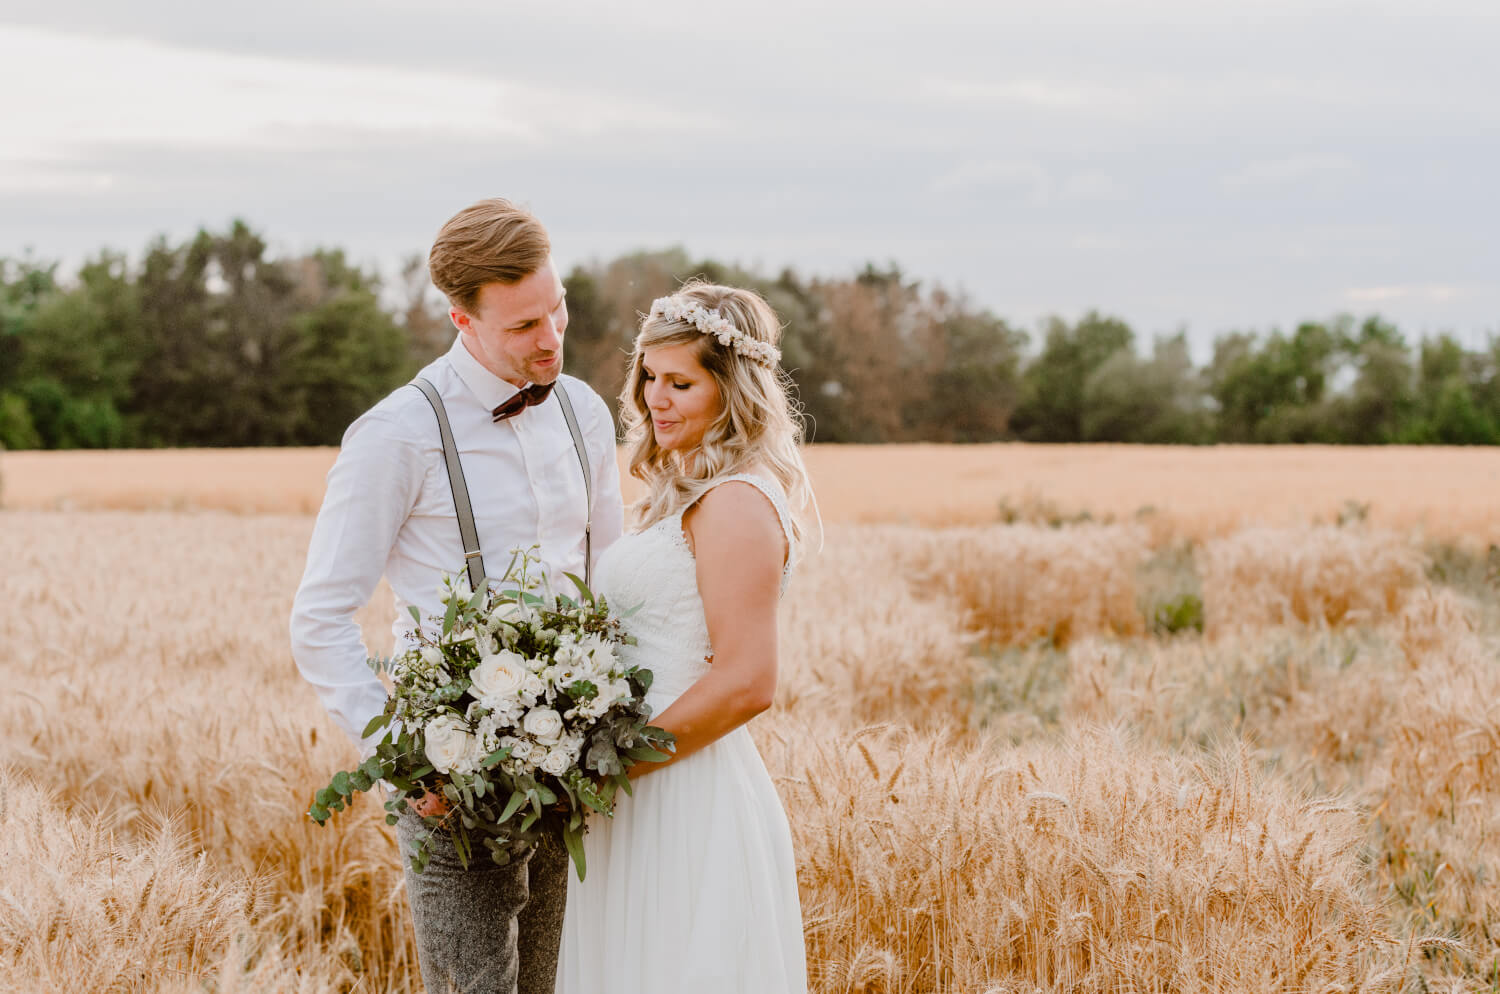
737 516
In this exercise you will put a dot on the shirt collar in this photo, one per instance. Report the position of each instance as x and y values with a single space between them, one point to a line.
491 390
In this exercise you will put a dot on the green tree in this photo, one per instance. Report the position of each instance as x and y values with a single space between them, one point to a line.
977 383
349 352
1159 400
1275 391
1380 404
1052 392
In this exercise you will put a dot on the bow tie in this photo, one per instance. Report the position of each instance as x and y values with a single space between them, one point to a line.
528 397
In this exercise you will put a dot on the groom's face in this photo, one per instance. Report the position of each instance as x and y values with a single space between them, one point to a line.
515 330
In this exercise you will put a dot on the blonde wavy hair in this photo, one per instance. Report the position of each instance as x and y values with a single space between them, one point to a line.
760 424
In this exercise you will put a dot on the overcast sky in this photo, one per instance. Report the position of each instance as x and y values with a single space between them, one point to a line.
1207 165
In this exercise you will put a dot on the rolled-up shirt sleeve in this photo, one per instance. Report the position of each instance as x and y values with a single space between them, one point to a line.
371 489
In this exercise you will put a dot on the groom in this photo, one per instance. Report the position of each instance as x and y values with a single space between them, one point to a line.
389 510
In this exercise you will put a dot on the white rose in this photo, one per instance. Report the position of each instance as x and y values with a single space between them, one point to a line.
558 761
537 754
432 655
500 675
543 724
447 742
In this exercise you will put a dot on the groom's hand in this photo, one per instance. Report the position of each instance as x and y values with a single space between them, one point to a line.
430 804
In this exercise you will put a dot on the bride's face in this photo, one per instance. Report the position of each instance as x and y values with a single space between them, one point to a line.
680 394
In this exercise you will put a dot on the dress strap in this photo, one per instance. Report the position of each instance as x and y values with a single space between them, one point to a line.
778 500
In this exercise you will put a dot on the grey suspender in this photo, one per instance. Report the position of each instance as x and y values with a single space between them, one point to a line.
473 559
588 484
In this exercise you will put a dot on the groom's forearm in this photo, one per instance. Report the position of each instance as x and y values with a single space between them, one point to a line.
370 492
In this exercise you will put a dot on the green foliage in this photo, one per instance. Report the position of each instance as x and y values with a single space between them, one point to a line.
1178 614
214 341
1053 403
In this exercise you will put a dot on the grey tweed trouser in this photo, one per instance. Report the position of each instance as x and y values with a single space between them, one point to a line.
488 929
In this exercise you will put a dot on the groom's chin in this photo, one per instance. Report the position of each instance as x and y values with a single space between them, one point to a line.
546 373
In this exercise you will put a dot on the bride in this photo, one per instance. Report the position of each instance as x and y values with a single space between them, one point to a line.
692 886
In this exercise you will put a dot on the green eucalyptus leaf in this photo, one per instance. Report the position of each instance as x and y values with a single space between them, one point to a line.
415 614
513 805
376 724
574 841
586 595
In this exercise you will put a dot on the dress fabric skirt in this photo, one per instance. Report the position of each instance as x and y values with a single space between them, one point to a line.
691 888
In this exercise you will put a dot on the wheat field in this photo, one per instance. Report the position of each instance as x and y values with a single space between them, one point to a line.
1030 736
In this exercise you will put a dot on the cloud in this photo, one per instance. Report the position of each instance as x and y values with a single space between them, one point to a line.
1090 185
1288 171
144 93
1431 292
1026 181
1036 92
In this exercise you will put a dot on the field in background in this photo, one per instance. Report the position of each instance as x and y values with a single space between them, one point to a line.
1178 752
1450 492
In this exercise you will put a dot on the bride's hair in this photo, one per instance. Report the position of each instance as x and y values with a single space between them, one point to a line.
759 425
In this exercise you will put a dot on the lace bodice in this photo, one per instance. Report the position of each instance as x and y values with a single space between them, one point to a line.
653 572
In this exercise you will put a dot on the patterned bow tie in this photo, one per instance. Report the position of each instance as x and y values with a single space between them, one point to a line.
528 397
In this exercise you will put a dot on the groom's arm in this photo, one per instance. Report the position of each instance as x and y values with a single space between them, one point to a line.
371 490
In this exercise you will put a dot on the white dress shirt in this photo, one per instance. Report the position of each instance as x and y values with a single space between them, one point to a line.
388 509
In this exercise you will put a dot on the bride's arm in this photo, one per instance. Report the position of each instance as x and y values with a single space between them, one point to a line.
737 541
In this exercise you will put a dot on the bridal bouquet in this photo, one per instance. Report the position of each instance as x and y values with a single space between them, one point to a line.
520 714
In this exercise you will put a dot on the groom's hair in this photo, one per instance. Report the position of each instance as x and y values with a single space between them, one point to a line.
493 241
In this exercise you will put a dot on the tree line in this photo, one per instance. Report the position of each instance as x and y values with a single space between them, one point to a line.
213 342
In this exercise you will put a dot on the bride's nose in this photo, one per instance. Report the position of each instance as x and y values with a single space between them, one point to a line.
656 397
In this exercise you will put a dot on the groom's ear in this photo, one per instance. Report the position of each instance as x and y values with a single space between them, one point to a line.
459 318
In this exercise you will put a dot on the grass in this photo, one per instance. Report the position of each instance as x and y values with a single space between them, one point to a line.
1006 768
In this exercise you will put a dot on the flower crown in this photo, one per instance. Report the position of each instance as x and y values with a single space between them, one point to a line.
711 322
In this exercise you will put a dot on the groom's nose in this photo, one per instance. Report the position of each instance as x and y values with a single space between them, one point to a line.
549 336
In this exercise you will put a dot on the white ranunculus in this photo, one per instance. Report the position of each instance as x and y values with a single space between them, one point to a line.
499 676
508 613
601 655
447 742
543 724
432 655
558 761
533 687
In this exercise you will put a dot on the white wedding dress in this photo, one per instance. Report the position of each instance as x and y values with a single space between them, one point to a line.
692 887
